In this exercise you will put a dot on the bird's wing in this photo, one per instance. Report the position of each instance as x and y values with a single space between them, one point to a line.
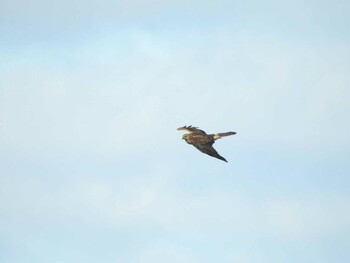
191 129
209 149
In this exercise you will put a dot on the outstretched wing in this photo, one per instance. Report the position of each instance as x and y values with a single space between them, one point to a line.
209 149
191 129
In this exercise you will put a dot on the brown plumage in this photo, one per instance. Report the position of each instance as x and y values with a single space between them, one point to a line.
202 141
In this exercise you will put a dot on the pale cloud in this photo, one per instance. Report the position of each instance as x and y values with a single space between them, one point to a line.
90 8
265 83
164 252
298 218
156 201
76 12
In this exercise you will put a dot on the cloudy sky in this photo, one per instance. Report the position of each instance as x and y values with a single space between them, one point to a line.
92 168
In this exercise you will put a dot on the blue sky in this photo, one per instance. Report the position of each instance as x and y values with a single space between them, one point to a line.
93 168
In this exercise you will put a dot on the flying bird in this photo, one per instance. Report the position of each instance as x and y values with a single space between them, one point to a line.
202 141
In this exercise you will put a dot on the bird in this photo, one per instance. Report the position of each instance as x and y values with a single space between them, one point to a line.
202 141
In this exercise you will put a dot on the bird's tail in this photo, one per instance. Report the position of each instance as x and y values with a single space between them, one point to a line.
223 134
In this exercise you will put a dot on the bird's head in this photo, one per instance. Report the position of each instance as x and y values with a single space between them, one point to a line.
185 136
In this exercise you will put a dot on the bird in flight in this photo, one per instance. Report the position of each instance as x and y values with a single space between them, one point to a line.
202 141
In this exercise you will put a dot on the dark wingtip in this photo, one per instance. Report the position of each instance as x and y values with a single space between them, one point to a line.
223 159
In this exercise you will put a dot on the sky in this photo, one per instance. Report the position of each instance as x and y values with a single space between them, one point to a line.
92 168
